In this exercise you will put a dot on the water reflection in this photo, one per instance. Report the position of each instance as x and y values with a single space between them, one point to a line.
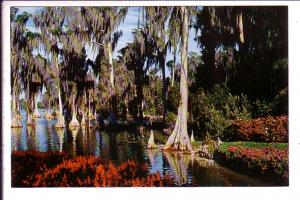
32 141
16 138
61 135
179 163
119 147
74 132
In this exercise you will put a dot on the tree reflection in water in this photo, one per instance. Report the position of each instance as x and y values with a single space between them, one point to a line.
61 135
179 163
74 132
151 153
32 139
16 138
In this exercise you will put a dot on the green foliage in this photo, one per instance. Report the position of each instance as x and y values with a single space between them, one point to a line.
261 108
173 98
40 105
213 111
277 106
171 119
153 95
281 102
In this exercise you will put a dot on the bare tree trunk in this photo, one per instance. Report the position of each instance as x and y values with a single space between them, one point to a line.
36 113
192 137
74 122
60 119
15 122
179 139
151 143
164 88
113 100
174 66
239 19
110 62
140 98
30 121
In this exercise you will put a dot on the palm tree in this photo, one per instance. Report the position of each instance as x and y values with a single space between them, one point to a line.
179 139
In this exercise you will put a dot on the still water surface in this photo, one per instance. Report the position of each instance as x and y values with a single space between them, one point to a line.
122 146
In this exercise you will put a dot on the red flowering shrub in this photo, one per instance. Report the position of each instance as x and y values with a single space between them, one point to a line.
129 174
267 129
266 160
81 171
25 164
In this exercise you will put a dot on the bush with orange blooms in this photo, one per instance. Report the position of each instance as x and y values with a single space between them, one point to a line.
263 129
85 171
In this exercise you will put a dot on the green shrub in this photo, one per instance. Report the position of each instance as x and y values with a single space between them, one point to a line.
280 103
173 98
213 111
261 108
171 119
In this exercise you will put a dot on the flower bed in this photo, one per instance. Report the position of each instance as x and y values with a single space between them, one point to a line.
269 162
25 164
82 171
264 129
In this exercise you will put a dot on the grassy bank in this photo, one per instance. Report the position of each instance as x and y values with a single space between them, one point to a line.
224 146
267 160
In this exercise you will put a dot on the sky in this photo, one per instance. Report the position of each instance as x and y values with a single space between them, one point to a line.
130 23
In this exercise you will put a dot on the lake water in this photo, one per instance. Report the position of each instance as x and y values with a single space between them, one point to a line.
122 146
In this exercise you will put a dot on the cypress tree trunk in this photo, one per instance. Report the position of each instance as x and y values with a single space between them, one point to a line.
240 26
15 122
164 88
110 62
179 139
36 113
140 98
173 69
113 100
74 122
60 119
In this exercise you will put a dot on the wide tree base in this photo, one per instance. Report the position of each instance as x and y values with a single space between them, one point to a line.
92 117
30 122
74 123
16 123
19 116
36 115
83 122
192 137
151 144
60 122
179 139
49 116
